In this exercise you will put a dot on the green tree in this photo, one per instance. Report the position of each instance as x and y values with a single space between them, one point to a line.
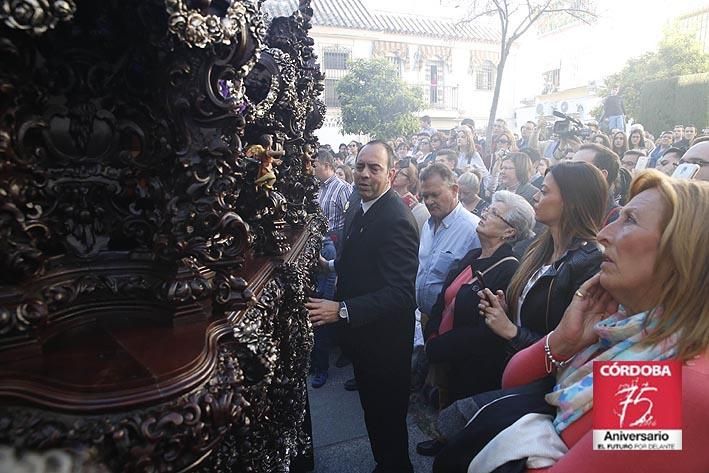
677 54
375 101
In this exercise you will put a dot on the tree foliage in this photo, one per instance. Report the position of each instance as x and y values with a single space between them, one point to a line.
678 54
676 100
375 101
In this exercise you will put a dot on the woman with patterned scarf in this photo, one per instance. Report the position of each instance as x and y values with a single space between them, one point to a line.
648 302
653 282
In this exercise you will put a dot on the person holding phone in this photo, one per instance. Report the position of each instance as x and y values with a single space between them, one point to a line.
455 334
698 154
572 204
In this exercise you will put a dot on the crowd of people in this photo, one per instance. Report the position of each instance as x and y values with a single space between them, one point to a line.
508 267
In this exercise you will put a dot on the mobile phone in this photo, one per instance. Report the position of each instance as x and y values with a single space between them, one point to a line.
642 163
481 280
686 171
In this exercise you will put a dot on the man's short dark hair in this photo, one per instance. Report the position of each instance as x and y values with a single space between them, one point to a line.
533 154
426 119
635 152
679 126
689 125
449 155
391 155
680 152
325 157
438 169
604 159
468 122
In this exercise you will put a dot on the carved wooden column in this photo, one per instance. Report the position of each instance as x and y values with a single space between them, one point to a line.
151 290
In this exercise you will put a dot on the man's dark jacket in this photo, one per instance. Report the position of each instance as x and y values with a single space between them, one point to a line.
376 274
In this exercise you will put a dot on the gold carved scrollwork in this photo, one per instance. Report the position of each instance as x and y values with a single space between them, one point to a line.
200 30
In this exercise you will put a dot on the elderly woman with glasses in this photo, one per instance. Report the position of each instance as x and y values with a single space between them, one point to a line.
455 333
571 203
457 338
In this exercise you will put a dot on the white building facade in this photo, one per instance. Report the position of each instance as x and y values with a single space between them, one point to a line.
452 64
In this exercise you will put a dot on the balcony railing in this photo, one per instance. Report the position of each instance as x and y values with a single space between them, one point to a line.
441 97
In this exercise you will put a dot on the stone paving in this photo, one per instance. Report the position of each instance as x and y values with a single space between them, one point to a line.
339 434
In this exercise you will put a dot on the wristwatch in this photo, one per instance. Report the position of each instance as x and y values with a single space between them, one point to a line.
344 315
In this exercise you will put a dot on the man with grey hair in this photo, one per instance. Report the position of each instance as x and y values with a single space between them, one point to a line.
446 237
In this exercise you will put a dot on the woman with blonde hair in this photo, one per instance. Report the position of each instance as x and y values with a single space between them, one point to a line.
653 281
406 184
647 303
468 156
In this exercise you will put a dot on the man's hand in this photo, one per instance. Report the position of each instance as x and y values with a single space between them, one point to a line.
324 264
323 311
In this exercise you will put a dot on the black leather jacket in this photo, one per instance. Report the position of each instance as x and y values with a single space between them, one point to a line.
547 300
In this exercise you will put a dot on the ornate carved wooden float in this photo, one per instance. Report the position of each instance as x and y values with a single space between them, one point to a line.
151 292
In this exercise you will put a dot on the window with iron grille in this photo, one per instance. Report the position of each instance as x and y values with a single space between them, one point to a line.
551 81
485 76
336 60
335 66
397 63
330 92
434 79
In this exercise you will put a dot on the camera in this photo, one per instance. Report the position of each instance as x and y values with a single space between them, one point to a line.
569 126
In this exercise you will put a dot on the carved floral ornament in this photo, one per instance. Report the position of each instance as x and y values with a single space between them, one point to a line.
200 30
36 16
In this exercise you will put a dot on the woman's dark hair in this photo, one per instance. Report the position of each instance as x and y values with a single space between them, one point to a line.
619 150
347 171
621 187
522 164
637 131
584 193
603 137
533 154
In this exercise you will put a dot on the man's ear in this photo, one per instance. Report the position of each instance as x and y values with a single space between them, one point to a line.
392 175
604 172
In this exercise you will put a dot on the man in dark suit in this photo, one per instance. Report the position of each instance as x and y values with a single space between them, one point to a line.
375 303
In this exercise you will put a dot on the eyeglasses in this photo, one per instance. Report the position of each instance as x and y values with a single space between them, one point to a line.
351 146
492 211
424 142
503 142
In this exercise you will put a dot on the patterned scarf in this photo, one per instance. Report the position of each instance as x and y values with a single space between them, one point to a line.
619 338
